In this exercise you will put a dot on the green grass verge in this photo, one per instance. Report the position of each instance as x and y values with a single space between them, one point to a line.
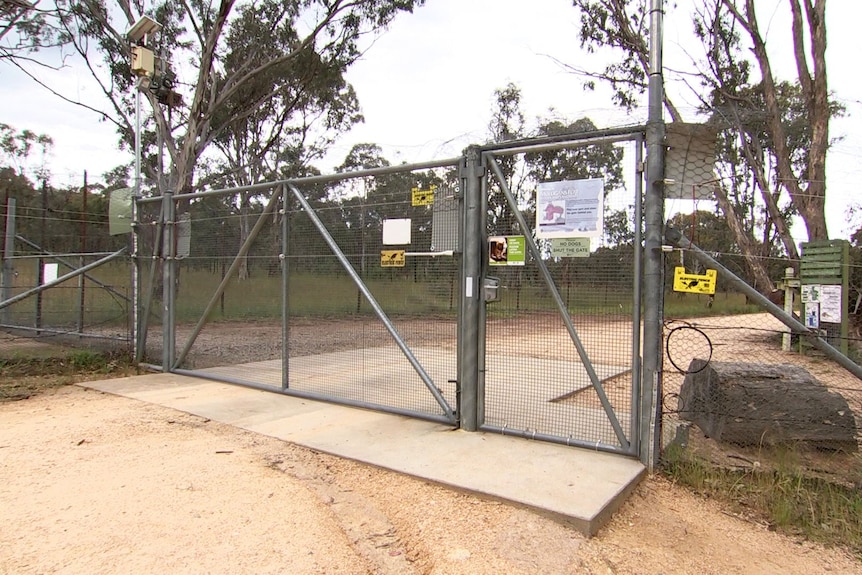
786 499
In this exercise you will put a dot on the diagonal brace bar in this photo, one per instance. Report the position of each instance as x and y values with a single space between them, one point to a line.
61 279
71 266
564 312
345 263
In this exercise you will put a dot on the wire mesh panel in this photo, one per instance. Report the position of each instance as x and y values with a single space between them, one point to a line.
149 267
228 302
339 344
59 237
340 295
537 383
741 386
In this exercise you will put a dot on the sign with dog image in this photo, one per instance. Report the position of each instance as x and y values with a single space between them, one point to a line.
506 250
570 209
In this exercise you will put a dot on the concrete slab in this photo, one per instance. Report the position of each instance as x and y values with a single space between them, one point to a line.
580 487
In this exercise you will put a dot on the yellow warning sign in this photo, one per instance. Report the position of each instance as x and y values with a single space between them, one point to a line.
423 197
392 258
694 283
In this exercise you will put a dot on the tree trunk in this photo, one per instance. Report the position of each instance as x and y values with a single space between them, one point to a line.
754 264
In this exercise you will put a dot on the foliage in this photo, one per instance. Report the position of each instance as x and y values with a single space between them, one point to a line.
523 172
17 146
262 73
48 367
774 134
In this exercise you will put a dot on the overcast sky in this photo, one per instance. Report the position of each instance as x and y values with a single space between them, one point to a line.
426 86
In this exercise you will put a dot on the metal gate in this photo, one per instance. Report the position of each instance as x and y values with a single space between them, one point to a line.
336 292
562 344
375 289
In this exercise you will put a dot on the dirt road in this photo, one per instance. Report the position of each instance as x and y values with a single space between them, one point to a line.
93 483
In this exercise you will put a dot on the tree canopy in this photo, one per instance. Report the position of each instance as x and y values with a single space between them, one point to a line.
773 132
258 79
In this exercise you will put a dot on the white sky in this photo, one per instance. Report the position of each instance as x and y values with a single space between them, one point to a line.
426 87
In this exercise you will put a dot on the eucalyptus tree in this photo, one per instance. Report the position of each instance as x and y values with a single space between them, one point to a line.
213 68
731 73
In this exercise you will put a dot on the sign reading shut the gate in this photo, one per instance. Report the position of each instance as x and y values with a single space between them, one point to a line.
694 283
392 258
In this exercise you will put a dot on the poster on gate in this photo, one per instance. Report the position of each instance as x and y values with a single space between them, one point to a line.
570 209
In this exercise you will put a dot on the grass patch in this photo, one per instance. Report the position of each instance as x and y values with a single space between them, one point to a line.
784 498
22 377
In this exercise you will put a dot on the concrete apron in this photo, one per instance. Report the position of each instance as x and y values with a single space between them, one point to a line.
580 487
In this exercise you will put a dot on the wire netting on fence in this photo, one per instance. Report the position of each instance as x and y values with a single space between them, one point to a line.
343 301
92 305
537 382
744 390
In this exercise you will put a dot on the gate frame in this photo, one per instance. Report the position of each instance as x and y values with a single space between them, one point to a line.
167 223
472 169
628 445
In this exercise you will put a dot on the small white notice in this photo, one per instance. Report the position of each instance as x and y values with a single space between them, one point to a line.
830 303
396 232
49 273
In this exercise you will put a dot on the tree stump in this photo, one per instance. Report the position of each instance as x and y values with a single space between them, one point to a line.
756 404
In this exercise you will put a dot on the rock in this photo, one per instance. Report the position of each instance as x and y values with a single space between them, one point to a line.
765 404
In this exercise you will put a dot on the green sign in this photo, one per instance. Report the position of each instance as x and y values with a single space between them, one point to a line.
507 250
120 211
570 247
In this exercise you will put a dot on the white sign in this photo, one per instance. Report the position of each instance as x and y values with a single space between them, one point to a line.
570 209
570 247
830 303
396 232
49 272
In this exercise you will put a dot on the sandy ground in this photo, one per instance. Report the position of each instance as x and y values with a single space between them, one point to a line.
93 483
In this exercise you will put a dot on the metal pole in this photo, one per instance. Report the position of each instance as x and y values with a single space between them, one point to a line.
8 255
322 179
637 296
168 263
650 415
82 277
788 306
40 262
675 237
285 291
472 173
136 339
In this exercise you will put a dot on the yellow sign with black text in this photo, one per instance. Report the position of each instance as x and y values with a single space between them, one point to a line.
694 283
423 197
392 258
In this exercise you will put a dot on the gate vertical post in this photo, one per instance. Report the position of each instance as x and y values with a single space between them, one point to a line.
472 173
285 287
650 414
168 280
8 254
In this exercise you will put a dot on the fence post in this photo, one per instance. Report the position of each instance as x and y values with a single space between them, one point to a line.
471 175
651 389
8 253
168 287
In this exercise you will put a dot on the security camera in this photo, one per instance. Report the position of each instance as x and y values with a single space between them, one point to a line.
144 27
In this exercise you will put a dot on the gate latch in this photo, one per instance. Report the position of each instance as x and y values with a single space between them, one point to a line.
491 287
